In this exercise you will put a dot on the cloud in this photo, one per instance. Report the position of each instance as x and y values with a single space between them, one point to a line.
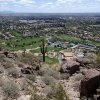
26 2
51 5
7 0
19 2
68 1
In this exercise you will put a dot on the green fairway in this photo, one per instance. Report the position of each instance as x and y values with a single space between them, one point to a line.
21 43
73 39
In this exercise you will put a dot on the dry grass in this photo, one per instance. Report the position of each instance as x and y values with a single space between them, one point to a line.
10 89
14 72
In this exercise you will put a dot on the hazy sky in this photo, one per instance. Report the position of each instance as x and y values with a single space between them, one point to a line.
50 6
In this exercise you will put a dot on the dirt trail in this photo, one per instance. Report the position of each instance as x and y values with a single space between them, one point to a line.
27 50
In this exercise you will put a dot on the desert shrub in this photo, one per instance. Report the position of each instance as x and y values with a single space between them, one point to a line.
51 92
13 72
76 85
48 80
26 59
49 72
21 65
24 85
98 59
31 77
47 90
33 92
57 93
30 60
37 97
10 89
1 70
2 57
60 93
78 77
1 81
8 64
64 76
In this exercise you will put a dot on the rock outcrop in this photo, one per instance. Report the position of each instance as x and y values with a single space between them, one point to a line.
66 65
90 82
69 66
30 69
83 61
32 66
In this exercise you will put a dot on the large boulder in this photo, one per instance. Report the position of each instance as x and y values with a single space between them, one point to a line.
69 66
90 82
31 65
83 61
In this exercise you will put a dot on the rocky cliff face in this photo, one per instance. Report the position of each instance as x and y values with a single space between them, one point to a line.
90 82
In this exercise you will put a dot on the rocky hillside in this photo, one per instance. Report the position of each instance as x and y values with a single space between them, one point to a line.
25 77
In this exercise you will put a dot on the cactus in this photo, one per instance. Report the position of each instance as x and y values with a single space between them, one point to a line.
43 49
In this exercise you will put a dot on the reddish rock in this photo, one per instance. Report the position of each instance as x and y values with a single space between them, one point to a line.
69 66
66 65
90 82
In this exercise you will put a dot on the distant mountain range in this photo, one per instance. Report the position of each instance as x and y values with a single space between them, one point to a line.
46 14
6 12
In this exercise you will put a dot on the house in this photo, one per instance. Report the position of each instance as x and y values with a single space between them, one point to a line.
51 41
84 46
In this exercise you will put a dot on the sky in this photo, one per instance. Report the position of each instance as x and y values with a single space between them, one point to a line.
50 6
